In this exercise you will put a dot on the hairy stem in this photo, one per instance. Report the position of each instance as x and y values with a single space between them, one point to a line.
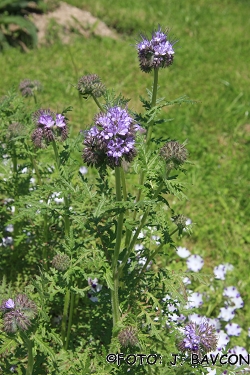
115 292
65 316
97 103
71 312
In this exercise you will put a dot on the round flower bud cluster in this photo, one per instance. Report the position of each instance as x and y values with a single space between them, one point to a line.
155 53
91 85
49 126
174 153
61 262
128 337
180 221
27 87
198 338
18 313
111 139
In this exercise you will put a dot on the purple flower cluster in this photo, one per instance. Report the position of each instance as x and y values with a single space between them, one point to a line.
49 125
199 339
155 53
111 139
18 313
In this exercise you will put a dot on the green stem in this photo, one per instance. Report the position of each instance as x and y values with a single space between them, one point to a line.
97 103
66 217
45 240
29 345
71 312
56 154
115 293
153 103
137 232
149 132
65 316
30 357
34 164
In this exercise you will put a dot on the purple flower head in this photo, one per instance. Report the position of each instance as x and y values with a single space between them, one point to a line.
60 121
9 304
47 121
48 126
111 139
155 53
22 310
198 338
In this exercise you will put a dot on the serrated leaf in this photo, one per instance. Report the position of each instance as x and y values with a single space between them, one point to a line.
7 345
44 347
109 279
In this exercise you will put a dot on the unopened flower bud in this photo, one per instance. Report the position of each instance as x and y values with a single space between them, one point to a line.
128 337
27 87
91 85
174 153
14 320
180 221
61 262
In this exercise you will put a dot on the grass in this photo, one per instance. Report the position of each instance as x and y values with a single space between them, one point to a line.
211 67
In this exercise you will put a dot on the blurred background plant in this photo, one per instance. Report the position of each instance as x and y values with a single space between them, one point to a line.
16 29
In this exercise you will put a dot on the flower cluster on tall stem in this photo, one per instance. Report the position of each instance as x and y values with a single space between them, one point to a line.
111 139
156 52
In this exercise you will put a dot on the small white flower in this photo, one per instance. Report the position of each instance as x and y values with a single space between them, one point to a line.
220 272
231 292
194 300
156 239
233 329
9 228
83 170
223 340
239 350
93 283
186 280
56 197
226 313
182 252
7 241
195 318
214 322
238 302
210 371
139 247
195 263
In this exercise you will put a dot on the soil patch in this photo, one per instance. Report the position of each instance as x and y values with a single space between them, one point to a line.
69 20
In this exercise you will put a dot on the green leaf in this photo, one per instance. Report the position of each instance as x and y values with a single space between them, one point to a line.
23 23
44 347
7 345
109 279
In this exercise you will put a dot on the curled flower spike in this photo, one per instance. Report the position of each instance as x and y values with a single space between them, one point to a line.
111 139
174 154
61 262
91 85
27 87
155 53
49 126
18 313
128 337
